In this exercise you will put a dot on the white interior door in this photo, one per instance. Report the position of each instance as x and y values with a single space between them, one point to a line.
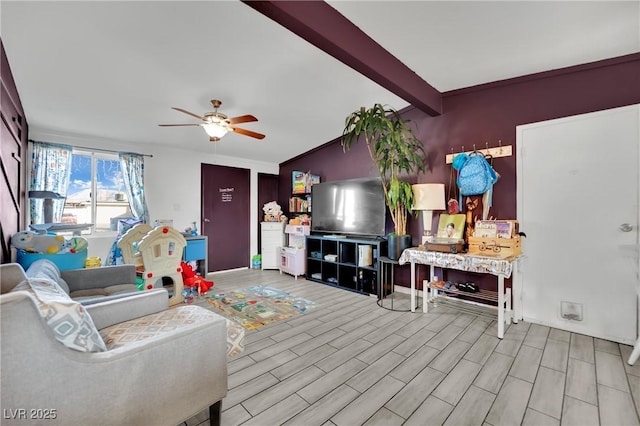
578 184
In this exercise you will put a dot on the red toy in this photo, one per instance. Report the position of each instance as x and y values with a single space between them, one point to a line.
191 279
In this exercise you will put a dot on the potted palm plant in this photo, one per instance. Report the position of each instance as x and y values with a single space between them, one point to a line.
396 152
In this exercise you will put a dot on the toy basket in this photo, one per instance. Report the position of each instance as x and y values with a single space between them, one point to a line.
63 261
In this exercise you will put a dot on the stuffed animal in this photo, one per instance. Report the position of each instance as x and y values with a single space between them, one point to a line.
37 243
191 279
272 212
295 221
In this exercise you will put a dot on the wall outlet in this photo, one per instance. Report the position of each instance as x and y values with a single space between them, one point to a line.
571 311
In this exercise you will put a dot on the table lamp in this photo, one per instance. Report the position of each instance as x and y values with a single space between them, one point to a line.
428 197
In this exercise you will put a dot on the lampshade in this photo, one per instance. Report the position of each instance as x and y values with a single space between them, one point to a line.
428 196
215 130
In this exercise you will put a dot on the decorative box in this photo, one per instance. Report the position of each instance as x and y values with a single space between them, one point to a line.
495 247
452 247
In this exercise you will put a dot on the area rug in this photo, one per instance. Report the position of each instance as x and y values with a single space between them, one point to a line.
256 306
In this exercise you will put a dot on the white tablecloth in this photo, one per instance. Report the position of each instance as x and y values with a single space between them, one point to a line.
461 261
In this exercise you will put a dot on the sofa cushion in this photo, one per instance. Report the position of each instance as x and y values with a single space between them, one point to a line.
45 268
70 323
167 321
113 290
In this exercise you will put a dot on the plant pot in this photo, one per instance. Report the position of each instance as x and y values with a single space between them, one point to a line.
397 244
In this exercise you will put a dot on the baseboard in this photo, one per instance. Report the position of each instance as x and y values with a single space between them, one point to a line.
227 270
405 290
576 328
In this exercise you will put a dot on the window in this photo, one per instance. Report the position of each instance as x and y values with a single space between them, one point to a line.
96 192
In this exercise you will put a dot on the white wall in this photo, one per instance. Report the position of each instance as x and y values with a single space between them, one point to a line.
172 182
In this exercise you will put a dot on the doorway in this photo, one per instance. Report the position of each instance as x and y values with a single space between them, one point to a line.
578 204
225 216
267 191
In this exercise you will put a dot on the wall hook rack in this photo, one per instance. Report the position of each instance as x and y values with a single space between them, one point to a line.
494 152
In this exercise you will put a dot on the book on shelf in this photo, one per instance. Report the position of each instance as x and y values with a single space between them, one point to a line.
301 182
300 205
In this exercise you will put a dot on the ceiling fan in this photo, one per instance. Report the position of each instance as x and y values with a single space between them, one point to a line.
217 124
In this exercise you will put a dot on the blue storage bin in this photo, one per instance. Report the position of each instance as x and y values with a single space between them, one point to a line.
63 261
196 249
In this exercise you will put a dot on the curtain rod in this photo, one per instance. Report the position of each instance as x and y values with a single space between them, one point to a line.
112 151
104 150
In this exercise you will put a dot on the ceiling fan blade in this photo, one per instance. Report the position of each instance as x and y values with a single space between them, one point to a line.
174 125
242 119
190 113
247 132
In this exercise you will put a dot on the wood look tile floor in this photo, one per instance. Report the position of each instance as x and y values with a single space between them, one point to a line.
350 362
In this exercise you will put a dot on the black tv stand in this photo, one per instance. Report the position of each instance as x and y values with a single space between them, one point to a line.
346 271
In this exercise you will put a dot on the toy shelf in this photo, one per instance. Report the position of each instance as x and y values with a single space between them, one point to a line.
337 262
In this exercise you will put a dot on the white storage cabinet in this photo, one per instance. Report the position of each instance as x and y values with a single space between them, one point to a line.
273 238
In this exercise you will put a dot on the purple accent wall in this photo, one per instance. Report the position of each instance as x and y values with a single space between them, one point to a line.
486 114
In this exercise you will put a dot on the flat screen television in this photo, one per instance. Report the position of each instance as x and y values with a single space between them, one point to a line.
350 207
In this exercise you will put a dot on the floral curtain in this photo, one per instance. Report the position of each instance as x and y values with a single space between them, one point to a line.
132 166
50 171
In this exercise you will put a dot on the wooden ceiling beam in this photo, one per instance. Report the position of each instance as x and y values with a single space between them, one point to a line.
324 27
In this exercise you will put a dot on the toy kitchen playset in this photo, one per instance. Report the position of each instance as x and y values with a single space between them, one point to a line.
293 257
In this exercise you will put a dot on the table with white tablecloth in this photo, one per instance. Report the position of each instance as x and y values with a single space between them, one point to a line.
500 266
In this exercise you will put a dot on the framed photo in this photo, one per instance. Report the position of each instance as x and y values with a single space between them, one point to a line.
451 226
496 228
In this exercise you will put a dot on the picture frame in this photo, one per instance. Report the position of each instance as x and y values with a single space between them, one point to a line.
496 229
451 227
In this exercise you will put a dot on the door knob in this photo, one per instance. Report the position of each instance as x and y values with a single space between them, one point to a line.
206 220
625 227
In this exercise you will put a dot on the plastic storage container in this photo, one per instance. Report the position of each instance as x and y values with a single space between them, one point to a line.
63 261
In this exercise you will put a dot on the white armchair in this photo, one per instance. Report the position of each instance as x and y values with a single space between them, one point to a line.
164 377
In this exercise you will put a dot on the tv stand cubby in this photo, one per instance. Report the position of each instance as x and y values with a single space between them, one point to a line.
346 271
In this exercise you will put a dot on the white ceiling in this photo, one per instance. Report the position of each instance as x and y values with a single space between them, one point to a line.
113 70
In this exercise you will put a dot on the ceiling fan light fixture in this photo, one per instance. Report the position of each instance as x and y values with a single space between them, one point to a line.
216 124
214 131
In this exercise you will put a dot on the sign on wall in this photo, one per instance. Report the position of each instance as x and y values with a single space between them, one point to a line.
226 194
